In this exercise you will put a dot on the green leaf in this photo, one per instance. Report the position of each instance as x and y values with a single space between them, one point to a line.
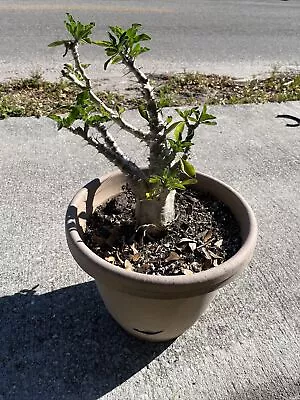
209 122
71 24
174 146
136 25
136 50
82 98
69 67
95 119
120 109
117 30
116 59
175 185
57 119
73 116
143 37
131 32
192 181
144 50
58 43
111 51
168 119
123 38
180 113
204 116
178 131
103 43
113 40
85 66
143 112
107 62
79 31
186 144
155 179
171 127
187 168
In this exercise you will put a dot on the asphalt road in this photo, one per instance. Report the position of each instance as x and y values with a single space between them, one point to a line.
237 37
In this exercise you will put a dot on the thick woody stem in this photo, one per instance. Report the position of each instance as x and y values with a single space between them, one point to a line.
158 151
139 134
159 211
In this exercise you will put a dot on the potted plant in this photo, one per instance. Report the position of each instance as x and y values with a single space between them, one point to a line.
153 288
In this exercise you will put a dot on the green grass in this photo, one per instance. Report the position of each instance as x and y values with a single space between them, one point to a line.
213 89
36 97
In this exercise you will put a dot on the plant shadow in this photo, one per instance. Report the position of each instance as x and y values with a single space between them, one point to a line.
64 344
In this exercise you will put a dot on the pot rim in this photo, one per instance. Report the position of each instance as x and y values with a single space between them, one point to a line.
218 275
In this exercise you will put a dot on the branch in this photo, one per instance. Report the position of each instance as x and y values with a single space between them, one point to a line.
108 139
110 150
159 153
139 134
73 78
156 122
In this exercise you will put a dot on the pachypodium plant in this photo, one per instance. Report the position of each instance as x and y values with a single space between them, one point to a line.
168 141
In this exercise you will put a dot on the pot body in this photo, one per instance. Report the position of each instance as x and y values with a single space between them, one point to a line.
156 308
153 319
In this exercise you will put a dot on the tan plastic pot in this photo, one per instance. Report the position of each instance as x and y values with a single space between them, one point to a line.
156 308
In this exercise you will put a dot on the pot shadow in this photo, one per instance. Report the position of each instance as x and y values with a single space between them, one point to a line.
64 344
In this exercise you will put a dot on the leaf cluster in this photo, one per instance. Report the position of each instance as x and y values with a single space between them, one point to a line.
171 179
79 32
180 172
83 110
123 44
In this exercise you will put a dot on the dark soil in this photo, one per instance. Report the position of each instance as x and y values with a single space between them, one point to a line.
203 235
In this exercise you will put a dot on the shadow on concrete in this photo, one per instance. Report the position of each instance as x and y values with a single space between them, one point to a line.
64 345
290 117
279 389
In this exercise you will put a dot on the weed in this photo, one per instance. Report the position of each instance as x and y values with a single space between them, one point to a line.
34 96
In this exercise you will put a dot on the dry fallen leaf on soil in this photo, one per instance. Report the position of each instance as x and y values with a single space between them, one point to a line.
215 263
196 267
187 240
128 265
133 248
219 243
173 257
193 246
110 259
207 236
214 255
187 271
119 258
206 253
135 257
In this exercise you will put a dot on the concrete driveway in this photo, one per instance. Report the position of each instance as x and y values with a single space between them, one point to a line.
57 340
